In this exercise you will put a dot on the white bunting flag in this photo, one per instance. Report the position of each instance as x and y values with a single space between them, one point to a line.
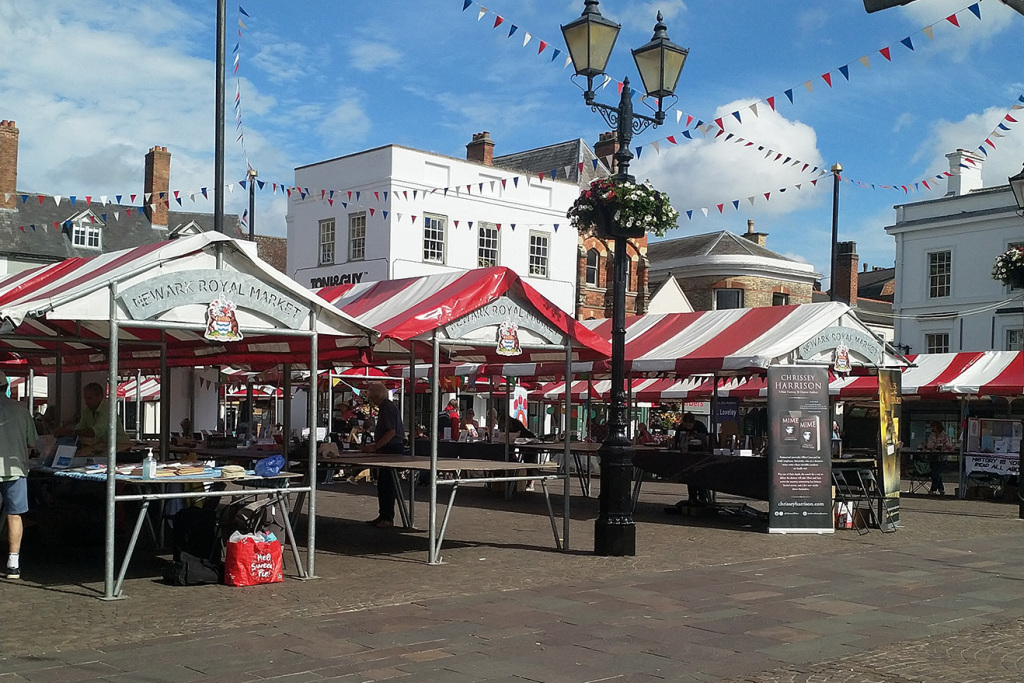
56 199
483 11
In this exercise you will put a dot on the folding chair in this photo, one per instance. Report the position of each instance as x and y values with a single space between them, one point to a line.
851 495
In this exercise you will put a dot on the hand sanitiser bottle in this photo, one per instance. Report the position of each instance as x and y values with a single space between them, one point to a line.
149 466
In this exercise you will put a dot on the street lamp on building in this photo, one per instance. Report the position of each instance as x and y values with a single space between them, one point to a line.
590 40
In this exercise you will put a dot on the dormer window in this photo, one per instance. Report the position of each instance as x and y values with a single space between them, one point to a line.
86 231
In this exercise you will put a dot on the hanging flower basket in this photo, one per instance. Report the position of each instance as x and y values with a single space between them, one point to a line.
1009 267
622 209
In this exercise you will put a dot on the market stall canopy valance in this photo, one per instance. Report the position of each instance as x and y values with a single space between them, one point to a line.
482 315
994 373
213 297
750 339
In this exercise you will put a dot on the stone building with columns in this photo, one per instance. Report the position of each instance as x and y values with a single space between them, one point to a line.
724 270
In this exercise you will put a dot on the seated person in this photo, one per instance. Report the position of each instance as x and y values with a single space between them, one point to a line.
469 424
643 436
93 425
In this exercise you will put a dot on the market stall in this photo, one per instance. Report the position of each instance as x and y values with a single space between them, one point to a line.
203 299
488 315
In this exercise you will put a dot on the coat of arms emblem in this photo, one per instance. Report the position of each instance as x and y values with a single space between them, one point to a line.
508 339
221 323
842 363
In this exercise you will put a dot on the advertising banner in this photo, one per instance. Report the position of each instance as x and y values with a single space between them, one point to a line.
889 404
799 452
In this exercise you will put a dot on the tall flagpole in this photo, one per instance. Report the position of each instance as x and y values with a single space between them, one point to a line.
218 163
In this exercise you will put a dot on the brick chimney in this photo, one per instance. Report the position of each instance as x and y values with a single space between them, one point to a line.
847 279
965 168
481 150
158 179
607 147
758 238
8 163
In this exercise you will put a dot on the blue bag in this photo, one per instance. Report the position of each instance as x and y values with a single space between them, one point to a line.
269 467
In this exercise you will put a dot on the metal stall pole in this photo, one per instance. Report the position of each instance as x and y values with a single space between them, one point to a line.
138 405
31 391
330 399
567 454
58 386
165 400
252 413
435 424
191 403
286 413
108 558
413 475
314 351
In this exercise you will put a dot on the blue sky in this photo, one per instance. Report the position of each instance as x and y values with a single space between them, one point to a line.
93 84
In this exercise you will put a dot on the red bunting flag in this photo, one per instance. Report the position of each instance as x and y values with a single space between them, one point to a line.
718 122
672 139
689 120
771 102
497 226
721 208
885 53
376 195
543 45
498 20
827 78
371 211
953 20
767 196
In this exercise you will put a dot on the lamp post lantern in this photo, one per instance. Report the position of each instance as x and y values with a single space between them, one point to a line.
590 40
1017 185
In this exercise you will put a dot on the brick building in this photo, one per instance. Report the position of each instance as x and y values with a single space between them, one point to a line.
596 270
723 270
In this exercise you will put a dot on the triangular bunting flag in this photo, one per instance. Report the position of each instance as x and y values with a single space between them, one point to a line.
789 94
498 19
482 12
845 70
976 9
885 53
908 42
809 86
827 77
737 115
704 211
771 102
929 31
753 109
953 20
866 61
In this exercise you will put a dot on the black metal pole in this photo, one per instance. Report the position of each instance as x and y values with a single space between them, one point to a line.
218 162
615 530
252 205
836 170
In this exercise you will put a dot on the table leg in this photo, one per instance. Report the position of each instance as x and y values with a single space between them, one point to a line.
551 514
413 476
143 516
584 478
403 510
290 534
444 525
638 481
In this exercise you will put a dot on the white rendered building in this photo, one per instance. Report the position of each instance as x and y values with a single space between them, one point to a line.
945 297
394 212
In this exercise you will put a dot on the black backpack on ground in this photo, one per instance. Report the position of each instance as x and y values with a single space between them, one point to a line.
197 547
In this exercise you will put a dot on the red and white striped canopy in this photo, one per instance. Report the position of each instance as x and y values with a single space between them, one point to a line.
995 373
72 299
735 340
412 309
147 390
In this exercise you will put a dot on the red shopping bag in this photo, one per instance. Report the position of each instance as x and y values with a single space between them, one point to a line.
250 562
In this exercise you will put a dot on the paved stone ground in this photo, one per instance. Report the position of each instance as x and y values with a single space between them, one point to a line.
704 599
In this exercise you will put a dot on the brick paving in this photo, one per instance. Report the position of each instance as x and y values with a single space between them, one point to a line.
705 599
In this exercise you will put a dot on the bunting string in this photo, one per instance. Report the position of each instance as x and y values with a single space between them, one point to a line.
238 85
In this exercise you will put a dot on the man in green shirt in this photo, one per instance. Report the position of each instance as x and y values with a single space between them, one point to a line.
17 435
94 422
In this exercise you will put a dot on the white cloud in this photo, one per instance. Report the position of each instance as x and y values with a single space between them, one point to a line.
707 172
345 124
89 111
368 55
904 120
995 18
281 61
968 133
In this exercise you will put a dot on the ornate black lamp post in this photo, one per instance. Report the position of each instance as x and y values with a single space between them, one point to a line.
590 40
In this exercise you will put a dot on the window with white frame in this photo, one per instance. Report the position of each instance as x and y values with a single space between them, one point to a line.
940 274
487 245
728 298
85 233
434 238
593 264
1015 340
327 242
538 254
357 236
780 299
937 342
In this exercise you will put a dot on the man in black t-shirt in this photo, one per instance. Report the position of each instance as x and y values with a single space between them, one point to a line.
388 438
